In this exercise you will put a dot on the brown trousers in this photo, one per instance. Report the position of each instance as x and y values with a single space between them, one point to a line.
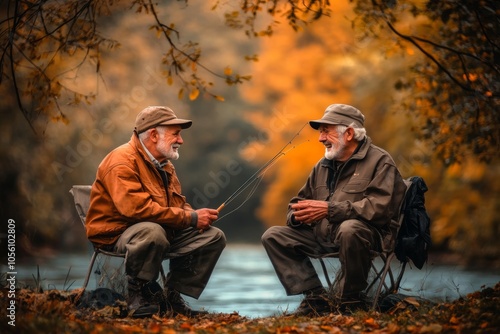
290 250
192 255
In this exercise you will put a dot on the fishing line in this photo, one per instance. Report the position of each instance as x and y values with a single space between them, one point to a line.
252 190
258 175
250 194
258 172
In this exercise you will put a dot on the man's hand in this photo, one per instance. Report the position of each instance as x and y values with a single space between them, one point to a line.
206 218
310 211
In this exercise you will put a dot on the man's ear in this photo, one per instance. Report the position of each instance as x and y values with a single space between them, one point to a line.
350 134
154 135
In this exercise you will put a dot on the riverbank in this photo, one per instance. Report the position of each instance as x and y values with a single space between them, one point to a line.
55 312
245 281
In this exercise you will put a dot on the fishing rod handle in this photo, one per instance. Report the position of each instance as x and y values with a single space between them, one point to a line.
221 207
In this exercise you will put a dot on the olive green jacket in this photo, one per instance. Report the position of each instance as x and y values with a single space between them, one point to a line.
368 188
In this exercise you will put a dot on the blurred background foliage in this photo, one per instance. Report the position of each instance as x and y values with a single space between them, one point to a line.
86 103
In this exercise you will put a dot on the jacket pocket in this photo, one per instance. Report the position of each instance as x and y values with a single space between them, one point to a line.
153 188
356 186
177 200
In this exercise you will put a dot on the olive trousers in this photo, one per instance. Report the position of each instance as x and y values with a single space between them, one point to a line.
192 255
290 249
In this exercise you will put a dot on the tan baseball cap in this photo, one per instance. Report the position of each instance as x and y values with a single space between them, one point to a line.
153 116
340 114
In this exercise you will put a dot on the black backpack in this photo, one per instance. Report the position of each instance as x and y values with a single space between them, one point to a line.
414 237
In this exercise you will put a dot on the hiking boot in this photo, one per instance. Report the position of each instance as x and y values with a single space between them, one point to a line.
313 304
153 293
179 306
138 304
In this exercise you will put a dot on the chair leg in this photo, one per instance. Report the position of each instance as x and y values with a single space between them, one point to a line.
89 272
327 277
387 267
87 278
163 278
400 277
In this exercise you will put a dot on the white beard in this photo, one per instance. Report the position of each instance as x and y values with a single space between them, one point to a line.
170 153
334 152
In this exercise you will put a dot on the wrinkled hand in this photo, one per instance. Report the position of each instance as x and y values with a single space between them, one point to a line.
206 217
310 211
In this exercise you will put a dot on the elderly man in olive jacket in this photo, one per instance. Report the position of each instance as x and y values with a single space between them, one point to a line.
349 203
137 208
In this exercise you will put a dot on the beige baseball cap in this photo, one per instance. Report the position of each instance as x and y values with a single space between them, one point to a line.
153 116
340 114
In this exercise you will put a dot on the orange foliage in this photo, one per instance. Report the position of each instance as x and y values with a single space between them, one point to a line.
470 170
300 74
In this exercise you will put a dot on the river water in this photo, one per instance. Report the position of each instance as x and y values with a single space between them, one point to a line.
244 281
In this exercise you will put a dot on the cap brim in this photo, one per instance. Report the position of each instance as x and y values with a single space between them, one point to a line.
184 123
317 123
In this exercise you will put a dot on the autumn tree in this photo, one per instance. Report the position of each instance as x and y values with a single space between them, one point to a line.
303 72
456 89
50 49
46 45
455 92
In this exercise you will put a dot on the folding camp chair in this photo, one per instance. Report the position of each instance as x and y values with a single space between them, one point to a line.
81 196
382 280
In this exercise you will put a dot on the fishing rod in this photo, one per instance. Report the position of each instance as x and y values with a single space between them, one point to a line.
255 176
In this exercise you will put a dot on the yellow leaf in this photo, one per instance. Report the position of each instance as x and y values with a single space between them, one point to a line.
194 94
170 80
219 98
228 71
181 93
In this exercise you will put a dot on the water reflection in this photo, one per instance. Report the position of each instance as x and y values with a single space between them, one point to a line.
244 281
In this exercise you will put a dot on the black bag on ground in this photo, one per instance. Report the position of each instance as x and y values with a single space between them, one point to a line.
99 298
414 237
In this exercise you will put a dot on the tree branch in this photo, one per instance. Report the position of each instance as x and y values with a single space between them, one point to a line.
174 46
413 41
13 70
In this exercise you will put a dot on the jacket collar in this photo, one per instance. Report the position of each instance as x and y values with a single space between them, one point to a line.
152 158
144 152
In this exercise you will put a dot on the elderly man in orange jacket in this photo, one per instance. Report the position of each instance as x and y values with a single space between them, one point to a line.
137 208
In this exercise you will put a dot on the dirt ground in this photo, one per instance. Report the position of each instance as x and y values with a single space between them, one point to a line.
55 312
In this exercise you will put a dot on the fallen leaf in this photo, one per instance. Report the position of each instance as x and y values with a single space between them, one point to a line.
370 322
186 325
432 328
412 301
454 320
